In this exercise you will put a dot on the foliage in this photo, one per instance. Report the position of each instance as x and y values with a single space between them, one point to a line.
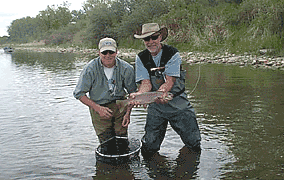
54 17
238 26
195 25
21 30
100 23
120 19
4 40
260 23
59 37
202 25
143 12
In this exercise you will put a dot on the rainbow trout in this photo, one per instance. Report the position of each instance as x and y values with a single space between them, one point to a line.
144 98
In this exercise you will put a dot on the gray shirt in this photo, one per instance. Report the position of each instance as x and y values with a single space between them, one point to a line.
94 81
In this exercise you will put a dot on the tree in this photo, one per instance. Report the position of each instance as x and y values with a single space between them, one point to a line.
23 29
55 17
141 12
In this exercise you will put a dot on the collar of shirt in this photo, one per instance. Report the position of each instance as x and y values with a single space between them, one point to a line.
101 64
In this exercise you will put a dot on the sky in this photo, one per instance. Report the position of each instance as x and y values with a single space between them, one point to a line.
16 9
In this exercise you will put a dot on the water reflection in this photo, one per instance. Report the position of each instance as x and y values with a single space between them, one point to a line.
51 61
158 167
108 171
183 167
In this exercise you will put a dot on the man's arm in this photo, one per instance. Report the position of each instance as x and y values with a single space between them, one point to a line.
167 86
145 86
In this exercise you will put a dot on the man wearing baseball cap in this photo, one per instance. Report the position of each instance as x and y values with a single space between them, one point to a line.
104 79
158 68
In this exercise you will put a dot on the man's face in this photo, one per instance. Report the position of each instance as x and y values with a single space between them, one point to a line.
152 43
108 58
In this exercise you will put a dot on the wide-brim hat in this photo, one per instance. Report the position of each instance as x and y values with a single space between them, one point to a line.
152 28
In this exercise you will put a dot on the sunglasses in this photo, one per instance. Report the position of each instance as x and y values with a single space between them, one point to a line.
151 37
107 51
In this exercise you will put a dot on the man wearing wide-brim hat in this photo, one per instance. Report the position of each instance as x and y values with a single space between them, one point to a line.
158 68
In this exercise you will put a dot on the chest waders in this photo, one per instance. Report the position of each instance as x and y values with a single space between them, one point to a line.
183 121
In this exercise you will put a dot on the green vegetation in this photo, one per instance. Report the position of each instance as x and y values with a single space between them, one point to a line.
235 26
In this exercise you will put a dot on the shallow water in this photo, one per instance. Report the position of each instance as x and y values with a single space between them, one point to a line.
47 134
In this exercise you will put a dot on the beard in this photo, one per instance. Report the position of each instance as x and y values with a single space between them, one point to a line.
153 48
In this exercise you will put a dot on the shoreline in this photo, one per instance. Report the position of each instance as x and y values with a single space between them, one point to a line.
261 61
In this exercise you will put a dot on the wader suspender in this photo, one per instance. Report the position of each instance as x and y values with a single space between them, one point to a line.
148 62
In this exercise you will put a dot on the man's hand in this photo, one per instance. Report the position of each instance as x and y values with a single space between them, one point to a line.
145 86
162 99
133 95
126 120
126 117
104 112
135 103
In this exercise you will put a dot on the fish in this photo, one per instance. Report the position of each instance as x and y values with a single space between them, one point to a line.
144 98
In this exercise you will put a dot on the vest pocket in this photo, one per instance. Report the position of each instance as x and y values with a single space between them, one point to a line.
157 82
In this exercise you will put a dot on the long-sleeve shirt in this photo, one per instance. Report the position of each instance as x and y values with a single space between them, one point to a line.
94 81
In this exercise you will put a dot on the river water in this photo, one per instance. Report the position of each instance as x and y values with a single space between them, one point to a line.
47 134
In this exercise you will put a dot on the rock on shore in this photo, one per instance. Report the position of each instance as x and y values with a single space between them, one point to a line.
123 53
241 60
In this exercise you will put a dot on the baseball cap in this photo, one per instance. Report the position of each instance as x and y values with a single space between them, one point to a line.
107 44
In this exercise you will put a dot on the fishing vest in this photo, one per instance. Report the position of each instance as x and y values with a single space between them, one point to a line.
156 76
